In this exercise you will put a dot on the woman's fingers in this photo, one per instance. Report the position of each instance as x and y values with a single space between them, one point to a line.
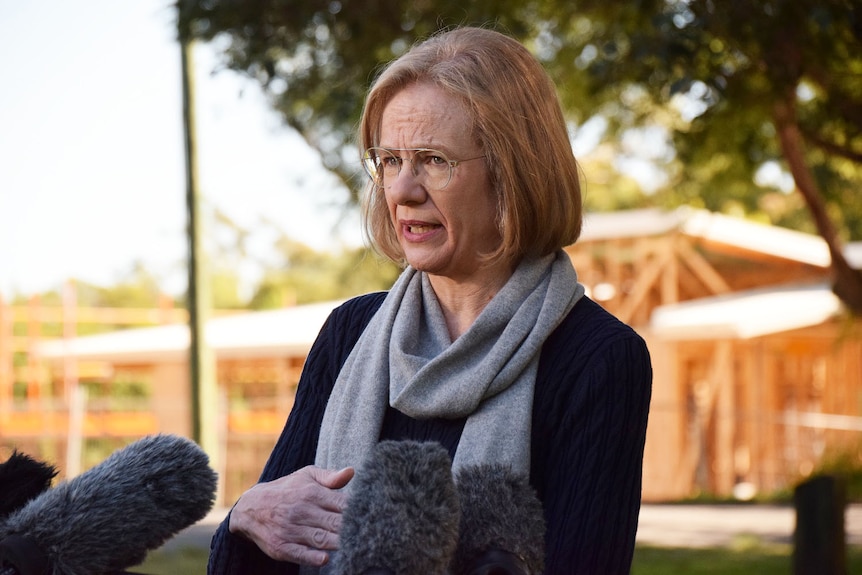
294 518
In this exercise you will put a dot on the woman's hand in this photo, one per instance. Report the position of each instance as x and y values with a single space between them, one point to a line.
294 518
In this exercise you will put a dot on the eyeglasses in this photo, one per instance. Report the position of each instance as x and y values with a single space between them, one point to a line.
433 167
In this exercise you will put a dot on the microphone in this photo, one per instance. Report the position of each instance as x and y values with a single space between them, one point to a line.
21 479
403 513
109 517
502 523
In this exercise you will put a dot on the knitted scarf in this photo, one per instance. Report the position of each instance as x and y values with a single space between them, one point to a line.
404 358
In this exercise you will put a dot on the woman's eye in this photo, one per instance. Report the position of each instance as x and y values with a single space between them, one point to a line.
390 161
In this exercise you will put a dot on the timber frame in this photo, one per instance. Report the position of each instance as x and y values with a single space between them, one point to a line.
757 367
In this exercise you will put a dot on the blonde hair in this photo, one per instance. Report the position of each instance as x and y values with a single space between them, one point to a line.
518 123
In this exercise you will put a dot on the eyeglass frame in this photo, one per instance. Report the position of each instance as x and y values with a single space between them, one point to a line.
367 158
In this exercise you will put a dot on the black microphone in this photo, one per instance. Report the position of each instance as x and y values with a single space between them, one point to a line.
21 479
108 518
402 516
502 523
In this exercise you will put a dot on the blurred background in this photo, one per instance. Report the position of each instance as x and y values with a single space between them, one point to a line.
92 185
720 145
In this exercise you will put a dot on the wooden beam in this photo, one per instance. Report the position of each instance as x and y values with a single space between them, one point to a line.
646 279
103 315
670 282
42 424
702 268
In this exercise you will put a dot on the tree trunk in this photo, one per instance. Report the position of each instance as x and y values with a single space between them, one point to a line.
846 281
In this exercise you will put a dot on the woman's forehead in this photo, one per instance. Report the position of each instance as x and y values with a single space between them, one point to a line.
424 116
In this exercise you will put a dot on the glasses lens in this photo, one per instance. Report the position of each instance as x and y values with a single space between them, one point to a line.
432 167
371 161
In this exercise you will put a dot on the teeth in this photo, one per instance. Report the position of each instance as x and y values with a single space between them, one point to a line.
414 229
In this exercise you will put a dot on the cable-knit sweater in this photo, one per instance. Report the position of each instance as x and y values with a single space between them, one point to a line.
590 412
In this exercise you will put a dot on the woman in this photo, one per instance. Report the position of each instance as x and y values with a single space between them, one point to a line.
485 344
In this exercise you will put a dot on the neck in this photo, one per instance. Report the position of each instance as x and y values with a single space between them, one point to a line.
463 300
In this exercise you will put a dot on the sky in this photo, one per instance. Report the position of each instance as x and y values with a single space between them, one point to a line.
92 172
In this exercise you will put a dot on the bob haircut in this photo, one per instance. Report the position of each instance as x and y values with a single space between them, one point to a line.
516 120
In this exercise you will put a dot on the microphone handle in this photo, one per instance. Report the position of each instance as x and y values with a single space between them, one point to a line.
21 556
497 562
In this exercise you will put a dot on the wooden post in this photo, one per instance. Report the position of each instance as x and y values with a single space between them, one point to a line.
202 363
725 420
6 359
70 332
74 395
34 333
819 543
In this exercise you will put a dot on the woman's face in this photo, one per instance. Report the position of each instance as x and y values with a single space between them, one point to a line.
442 232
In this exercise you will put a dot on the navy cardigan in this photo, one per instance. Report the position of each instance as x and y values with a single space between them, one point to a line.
590 412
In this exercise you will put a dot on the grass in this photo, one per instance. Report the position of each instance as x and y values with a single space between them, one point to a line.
184 561
759 559
746 556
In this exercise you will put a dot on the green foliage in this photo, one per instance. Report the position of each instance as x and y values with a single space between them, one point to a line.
845 464
316 59
137 288
708 73
120 393
189 560
309 276
225 289
735 86
293 273
712 74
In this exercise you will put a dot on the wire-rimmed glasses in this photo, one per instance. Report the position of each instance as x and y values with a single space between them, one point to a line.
433 167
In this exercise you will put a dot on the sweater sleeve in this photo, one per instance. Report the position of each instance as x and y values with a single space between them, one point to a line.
296 446
588 455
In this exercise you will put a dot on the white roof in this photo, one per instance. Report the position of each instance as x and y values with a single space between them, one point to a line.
747 314
282 332
853 253
773 240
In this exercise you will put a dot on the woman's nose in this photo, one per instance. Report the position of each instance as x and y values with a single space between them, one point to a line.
407 187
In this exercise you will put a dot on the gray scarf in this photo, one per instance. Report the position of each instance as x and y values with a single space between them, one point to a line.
404 358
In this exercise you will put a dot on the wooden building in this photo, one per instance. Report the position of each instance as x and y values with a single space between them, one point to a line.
757 368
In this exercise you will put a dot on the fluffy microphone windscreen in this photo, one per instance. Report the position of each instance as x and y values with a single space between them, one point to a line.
402 515
499 512
21 479
109 517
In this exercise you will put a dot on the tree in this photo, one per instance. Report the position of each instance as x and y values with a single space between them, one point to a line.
736 85
289 272
779 80
303 275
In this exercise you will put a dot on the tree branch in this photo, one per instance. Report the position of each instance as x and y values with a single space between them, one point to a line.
847 282
831 147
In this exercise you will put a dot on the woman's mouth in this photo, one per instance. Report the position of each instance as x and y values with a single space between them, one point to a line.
419 231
